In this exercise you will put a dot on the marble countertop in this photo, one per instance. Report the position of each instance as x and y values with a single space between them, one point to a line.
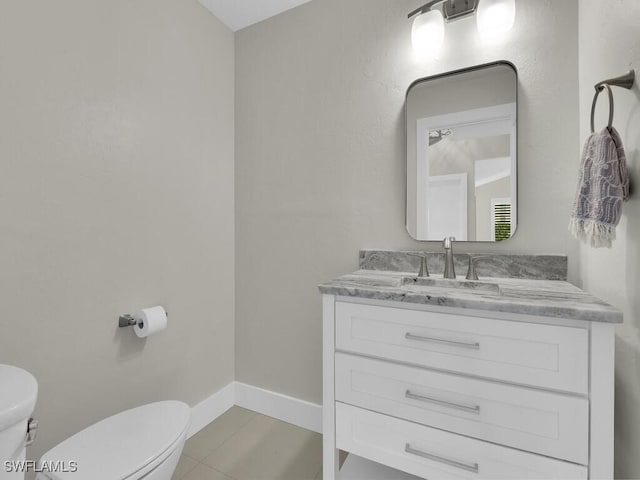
547 298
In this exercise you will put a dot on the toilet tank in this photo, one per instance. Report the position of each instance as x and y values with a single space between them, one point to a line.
18 393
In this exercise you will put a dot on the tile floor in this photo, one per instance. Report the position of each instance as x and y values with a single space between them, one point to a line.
244 445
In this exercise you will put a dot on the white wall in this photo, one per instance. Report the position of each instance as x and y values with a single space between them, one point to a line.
116 192
610 46
320 158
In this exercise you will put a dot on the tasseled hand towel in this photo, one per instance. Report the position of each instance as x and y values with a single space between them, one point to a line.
603 185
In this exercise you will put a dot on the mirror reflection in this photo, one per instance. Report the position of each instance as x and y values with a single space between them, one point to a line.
461 155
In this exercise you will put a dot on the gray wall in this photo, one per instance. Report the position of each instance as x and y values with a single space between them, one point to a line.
320 158
610 46
116 192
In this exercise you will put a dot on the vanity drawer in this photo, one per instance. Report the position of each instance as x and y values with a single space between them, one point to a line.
433 453
547 356
551 424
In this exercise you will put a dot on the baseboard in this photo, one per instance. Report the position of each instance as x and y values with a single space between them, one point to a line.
211 408
283 407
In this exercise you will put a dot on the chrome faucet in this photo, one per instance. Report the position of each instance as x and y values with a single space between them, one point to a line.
449 268
424 270
471 272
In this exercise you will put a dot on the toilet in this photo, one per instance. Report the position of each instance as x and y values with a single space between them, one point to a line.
18 394
142 443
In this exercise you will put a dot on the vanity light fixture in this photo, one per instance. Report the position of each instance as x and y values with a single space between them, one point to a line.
495 17
427 34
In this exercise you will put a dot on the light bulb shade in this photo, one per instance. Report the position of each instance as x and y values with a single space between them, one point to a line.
427 33
495 17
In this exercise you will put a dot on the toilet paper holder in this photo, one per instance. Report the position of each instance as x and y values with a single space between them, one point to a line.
127 321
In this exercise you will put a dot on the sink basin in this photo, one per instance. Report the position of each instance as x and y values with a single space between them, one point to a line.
467 285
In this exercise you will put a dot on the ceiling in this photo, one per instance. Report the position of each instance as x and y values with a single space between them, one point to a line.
238 14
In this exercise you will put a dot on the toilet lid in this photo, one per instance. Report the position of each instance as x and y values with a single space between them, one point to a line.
18 393
119 446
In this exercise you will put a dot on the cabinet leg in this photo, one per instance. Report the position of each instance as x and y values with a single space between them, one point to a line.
329 453
330 461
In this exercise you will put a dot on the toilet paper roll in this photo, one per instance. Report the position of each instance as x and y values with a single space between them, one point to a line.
149 321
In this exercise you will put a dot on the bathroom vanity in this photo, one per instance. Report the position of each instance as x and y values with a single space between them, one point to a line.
496 378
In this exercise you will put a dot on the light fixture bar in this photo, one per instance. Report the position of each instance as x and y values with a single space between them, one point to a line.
424 8
452 9
455 9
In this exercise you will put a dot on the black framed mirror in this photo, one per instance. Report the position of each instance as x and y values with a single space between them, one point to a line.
461 154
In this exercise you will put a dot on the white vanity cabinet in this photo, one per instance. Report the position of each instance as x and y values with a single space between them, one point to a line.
451 393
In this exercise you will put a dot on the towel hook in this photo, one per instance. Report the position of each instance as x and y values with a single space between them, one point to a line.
625 81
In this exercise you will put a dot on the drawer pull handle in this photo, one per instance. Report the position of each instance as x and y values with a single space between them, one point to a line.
419 338
458 406
470 467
